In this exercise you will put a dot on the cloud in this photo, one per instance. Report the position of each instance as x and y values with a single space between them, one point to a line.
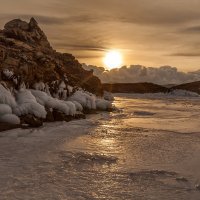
137 73
187 54
193 29
82 47
151 30
140 12
88 56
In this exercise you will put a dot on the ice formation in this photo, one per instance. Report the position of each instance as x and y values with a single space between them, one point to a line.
6 97
43 99
27 104
35 102
86 99
7 116
10 118
108 96
102 104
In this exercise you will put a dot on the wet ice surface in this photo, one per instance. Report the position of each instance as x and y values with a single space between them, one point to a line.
149 149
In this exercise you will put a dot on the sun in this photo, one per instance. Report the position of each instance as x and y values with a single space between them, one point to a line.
113 59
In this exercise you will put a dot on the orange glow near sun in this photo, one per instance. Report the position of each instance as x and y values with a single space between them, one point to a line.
113 59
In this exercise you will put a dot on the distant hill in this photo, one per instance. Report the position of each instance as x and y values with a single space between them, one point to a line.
193 87
169 85
134 88
149 87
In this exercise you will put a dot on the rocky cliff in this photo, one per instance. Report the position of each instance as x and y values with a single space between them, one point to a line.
26 57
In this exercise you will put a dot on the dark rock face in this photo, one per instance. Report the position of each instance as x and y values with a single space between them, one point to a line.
31 120
27 32
49 117
134 88
25 50
58 116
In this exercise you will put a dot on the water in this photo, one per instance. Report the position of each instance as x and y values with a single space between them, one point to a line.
148 149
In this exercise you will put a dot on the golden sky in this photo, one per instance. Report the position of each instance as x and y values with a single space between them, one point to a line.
146 32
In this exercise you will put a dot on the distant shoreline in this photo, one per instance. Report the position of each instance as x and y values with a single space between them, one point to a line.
146 87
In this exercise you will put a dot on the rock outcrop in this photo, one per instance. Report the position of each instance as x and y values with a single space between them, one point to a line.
27 57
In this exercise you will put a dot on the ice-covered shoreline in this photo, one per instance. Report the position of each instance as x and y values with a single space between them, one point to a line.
35 106
149 148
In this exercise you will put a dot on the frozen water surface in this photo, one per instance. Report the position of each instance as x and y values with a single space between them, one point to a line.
148 149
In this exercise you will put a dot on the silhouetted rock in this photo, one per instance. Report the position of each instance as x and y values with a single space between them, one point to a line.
58 116
193 87
31 120
134 88
49 116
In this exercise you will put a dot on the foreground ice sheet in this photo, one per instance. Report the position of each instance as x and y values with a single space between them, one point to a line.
149 149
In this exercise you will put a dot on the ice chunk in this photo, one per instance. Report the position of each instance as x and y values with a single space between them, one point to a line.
39 86
27 104
10 118
5 109
66 107
79 107
103 104
108 96
86 99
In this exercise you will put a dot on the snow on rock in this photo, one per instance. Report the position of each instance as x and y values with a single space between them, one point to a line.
6 97
39 86
79 107
102 104
47 89
8 73
86 99
70 89
72 107
60 91
62 85
7 116
108 96
42 98
27 104
10 118
5 109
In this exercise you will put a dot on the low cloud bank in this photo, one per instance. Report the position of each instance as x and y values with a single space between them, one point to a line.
137 73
